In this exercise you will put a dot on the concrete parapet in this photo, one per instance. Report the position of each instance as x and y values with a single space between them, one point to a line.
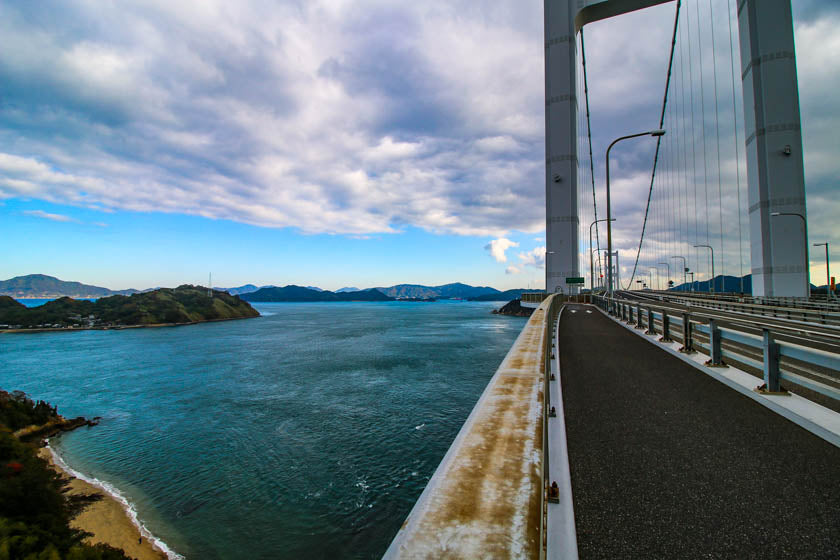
485 498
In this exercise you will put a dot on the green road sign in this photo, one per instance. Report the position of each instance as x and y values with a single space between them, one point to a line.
578 280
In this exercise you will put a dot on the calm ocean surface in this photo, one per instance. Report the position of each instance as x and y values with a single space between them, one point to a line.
306 433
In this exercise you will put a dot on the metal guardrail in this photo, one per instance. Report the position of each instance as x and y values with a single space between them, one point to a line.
549 353
823 316
534 297
814 304
691 323
539 297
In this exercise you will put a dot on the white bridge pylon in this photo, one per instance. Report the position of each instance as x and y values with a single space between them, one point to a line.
775 168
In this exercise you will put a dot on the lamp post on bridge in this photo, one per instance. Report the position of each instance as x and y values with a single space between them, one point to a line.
829 293
685 266
591 264
692 281
658 132
709 247
669 273
807 257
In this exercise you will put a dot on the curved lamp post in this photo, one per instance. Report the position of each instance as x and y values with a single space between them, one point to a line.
709 247
669 274
829 293
658 132
807 258
685 266
591 266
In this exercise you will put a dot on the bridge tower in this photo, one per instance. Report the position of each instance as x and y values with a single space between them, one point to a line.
561 200
775 168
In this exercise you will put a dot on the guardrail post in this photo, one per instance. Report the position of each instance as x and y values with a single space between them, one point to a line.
638 315
715 359
687 347
771 363
666 328
650 329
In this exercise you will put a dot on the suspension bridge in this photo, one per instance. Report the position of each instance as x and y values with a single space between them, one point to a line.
679 395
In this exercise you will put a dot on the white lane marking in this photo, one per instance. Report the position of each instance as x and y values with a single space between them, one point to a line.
589 311
573 310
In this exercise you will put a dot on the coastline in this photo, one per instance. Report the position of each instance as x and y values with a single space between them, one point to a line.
112 520
120 327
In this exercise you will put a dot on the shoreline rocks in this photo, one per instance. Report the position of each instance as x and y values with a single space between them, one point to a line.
54 427
515 309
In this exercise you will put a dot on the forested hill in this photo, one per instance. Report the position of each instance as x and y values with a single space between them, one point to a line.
184 304
299 293
456 290
43 286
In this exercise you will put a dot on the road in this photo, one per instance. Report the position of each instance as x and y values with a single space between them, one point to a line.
666 462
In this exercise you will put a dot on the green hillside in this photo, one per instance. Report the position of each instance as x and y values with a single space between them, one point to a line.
184 304
43 286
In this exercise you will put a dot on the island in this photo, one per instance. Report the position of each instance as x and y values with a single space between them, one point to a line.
514 308
300 294
183 305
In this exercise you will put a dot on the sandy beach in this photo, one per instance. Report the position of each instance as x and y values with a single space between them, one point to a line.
107 520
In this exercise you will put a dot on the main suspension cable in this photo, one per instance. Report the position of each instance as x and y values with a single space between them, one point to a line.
658 139
589 137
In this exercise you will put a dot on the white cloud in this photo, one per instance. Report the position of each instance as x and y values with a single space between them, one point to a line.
512 270
497 248
534 257
356 119
48 216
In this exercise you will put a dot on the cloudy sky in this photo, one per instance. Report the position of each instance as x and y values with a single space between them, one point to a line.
333 143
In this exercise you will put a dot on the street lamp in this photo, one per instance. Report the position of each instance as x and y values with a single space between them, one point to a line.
669 273
591 267
807 258
829 293
658 132
590 261
709 247
692 281
685 265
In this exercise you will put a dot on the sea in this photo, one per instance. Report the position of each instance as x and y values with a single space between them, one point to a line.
308 432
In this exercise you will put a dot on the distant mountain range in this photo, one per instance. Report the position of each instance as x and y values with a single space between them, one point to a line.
446 291
43 286
247 288
299 293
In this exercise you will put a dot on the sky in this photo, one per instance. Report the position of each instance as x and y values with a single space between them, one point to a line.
327 143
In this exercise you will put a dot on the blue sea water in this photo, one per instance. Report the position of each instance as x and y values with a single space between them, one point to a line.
306 433
37 302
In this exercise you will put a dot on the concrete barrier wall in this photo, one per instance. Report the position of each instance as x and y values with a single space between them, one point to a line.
485 499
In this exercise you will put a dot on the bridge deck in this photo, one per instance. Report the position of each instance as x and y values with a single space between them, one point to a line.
666 462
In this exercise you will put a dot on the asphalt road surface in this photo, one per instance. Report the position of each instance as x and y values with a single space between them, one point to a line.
666 462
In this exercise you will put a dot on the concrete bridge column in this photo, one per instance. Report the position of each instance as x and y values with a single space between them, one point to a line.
775 168
561 202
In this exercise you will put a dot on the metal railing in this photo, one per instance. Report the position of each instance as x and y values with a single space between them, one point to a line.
778 358
821 315
539 297
816 303
549 352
